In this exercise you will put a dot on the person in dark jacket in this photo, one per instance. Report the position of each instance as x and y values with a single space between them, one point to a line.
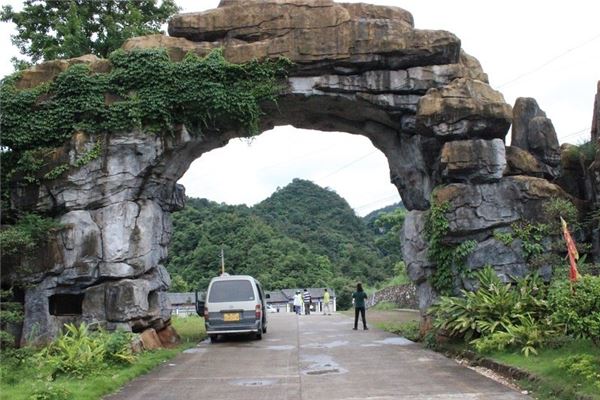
358 298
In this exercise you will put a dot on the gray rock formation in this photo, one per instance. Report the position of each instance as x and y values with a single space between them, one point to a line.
359 68
475 161
596 116
532 131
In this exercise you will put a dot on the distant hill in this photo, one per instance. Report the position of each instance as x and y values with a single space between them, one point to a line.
302 235
373 215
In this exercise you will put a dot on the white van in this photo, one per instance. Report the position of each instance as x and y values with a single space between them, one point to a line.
233 304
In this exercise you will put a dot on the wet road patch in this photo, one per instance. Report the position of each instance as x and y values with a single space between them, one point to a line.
253 382
320 364
398 341
328 345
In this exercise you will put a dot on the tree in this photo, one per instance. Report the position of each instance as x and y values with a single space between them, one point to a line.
51 29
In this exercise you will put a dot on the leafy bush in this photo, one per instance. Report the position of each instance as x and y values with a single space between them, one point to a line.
526 334
497 314
80 351
585 366
556 208
118 347
51 391
77 352
11 313
28 233
576 307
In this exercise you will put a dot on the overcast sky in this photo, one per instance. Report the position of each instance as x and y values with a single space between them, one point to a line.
548 50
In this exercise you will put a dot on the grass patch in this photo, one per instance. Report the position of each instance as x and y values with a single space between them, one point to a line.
21 378
384 306
556 379
408 329
191 329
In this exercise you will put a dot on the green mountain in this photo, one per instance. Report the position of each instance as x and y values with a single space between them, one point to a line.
301 236
371 217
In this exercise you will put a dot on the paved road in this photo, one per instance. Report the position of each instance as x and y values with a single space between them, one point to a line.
313 357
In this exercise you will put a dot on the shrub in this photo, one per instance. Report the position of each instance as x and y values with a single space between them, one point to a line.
576 307
51 391
526 334
585 366
11 314
80 352
497 314
77 352
118 347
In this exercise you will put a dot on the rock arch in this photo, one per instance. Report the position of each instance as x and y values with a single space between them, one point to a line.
359 68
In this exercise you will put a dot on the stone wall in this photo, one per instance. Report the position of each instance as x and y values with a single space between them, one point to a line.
403 296
359 68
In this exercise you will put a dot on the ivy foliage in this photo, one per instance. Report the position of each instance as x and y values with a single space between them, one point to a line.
144 90
448 257
152 93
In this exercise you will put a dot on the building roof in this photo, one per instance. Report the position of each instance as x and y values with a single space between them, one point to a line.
315 293
277 296
182 298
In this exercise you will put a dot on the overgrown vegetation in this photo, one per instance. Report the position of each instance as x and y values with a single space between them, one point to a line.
448 257
528 316
149 91
84 364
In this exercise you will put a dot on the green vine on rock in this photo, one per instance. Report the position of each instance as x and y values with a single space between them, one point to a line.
144 90
448 257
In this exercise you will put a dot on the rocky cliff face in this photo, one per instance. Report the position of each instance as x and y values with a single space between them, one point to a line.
359 68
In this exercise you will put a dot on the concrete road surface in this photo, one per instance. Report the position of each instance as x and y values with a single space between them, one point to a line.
313 357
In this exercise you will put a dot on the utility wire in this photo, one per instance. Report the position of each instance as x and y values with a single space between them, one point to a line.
378 201
347 165
548 62
576 133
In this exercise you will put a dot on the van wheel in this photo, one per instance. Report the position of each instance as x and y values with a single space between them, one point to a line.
213 338
258 335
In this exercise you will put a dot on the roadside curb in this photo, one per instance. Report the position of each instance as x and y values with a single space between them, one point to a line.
508 371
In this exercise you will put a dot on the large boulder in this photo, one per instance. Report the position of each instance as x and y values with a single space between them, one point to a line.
532 131
522 162
463 109
475 161
478 208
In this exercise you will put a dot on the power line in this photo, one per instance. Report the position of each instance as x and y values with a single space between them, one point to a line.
347 165
576 133
549 62
377 201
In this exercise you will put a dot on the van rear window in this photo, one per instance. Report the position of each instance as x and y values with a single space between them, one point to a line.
234 290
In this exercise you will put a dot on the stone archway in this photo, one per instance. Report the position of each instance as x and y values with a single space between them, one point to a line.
360 69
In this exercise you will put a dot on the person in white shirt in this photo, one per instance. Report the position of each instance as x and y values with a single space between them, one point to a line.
297 302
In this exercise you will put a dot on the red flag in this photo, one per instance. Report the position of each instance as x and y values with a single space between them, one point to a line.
572 250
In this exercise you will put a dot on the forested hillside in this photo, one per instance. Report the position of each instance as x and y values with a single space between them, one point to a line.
303 235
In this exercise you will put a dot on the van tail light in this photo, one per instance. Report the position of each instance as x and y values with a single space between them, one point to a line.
205 314
258 311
